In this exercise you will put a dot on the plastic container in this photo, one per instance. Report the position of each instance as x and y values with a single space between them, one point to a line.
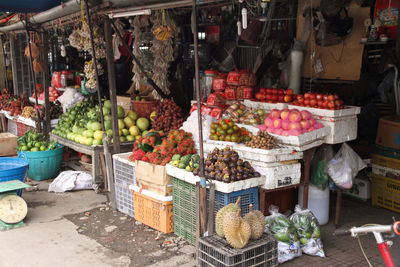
385 192
215 251
124 176
318 203
144 108
43 165
153 212
13 169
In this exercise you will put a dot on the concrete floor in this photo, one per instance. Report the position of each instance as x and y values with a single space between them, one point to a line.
50 240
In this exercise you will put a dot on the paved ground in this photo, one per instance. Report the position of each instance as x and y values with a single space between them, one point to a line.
77 229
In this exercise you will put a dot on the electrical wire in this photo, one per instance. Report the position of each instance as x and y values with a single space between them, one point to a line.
363 252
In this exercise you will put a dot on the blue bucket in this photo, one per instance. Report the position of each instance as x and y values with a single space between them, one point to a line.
43 165
13 169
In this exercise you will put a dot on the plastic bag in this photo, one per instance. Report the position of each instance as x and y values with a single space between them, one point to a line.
285 233
345 166
308 231
71 180
319 177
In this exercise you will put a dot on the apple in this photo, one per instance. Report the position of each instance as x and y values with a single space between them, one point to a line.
325 97
319 103
325 104
337 103
287 98
285 133
281 92
295 132
268 91
285 114
274 91
281 98
277 123
331 104
331 97
275 114
258 96
306 101
312 96
305 115
305 124
307 95
268 122
312 121
275 97
294 126
285 125
313 102
294 116
318 97
300 99
289 92
278 131
263 91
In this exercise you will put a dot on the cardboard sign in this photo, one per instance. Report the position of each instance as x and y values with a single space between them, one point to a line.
8 144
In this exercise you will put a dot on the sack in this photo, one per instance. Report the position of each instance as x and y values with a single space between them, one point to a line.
345 166
319 177
71 180
283 230
308 231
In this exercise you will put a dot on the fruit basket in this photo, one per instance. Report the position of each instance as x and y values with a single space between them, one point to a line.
144 108
13 169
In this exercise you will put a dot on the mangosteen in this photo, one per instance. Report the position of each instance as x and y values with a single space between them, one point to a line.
256 174
232 165
239 162
226 178
234 158
211 175
226 159
218 177
220 158
226 171
246 164
234 171
245 176
196 172
239 169
226 152
239 177
208 162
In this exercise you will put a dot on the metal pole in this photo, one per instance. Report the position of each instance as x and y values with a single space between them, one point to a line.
94 62
149 80
46 78
3 41
203 193
39 125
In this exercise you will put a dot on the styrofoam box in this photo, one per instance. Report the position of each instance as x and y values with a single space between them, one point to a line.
12 127
307 146
149 193
32 123
190 178
343 129
323 113
385 172
263 105
281 176
304 139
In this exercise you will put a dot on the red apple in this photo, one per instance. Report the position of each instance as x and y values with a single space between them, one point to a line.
300 99
325 104
295 115
305 115
275 114
307 95
325 97
289 92
258 96
274 97
318 97
294 126
331 97
285 114
281 98
268 122
337 103
287 98
274 91
281 92
263 90
307 101
319 103
285 125
277 123
312 96
331 104
313 102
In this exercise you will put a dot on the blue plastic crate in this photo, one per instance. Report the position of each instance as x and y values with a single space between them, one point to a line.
247 197
13 169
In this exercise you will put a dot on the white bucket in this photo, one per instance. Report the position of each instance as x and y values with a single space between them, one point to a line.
318 203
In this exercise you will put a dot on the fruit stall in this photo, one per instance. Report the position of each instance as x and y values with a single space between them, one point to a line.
205 145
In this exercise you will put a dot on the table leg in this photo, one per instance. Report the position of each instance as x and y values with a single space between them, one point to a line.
96 167
338 206
262 200
307 167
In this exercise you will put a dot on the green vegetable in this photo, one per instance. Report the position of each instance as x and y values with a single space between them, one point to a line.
176 157
282 237
185 159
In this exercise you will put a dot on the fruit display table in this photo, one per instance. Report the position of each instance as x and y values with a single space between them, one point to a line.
93 151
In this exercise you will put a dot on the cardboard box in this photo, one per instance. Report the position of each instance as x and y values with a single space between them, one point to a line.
388 134
385 161
153 177
124 102
8 144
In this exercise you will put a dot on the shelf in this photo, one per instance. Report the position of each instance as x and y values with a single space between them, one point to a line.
283 188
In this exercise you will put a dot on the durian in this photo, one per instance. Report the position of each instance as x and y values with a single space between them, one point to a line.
256 220
237 231
219 218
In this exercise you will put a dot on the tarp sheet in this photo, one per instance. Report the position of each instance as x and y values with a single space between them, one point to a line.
28 6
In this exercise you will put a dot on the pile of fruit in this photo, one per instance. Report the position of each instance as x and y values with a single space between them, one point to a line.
34 142
81 124
287 122
157 149
316 100
188 162
224 165
262 140
28 112
168 116
239 113
5 99
226 130
55 111
273 95
53 94
237 230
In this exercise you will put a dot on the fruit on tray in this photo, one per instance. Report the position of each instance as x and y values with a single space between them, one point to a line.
288 122
239 113
317 100
237 231
34 142
55 111
158 149
28 112
256 220
227 130
188 162
168 116
273 95
262 140
219 217
224 165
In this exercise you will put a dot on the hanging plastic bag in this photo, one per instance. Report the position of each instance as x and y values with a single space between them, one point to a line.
308 231
319 177
283 230
345 166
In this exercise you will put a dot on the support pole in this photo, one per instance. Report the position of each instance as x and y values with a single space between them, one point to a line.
39 125
203 193
111 83
46 78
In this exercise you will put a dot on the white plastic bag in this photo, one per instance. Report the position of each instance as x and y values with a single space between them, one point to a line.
71 180
285 233
345 166
191 126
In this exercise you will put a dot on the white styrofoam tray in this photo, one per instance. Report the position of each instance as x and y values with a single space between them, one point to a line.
385 172
308 146
342 130
263 105
32 123
190 178
150 194
8 116
304 139
281 176
124 157
327 113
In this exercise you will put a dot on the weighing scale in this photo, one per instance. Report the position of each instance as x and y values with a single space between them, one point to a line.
13 208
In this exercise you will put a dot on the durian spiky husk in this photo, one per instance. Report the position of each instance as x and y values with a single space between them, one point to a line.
237 231
256 220
219 218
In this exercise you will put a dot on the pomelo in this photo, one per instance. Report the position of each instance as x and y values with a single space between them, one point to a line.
133 115
143 124
129 122
121 112
134 131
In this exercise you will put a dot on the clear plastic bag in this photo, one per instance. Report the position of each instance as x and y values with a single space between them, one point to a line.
285 233
308 231
319 177
345 166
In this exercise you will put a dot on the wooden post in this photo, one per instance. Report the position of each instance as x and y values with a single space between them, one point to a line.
338 206
46 78
307 168
211 207
111 83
